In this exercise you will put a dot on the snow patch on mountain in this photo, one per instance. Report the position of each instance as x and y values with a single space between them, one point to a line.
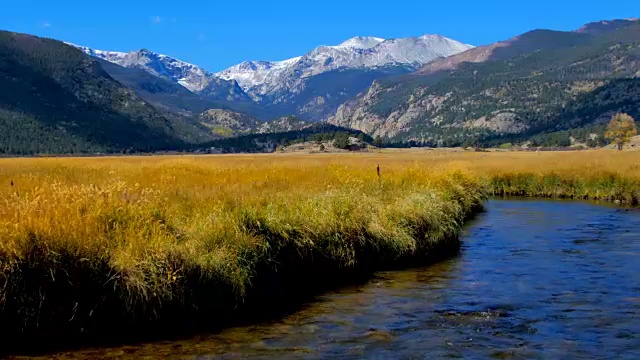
111 56
362 42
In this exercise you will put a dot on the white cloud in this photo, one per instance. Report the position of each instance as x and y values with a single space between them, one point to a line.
46 24
156 19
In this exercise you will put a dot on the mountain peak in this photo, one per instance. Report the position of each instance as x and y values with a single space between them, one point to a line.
146 51
600 27
362 42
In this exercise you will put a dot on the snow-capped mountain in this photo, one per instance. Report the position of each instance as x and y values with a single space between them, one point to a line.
263 80
311 86
251 74
192 77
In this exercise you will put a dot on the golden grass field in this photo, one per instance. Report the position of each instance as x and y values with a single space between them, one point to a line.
93 242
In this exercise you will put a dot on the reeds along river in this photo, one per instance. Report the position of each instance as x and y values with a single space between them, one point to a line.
535 279
83 259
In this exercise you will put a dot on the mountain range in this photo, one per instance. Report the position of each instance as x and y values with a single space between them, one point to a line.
278 80
543 87
311 86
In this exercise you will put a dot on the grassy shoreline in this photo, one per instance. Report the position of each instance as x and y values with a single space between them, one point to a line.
93 249
119 247
605 187
591 175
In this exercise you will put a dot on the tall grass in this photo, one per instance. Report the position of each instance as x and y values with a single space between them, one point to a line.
89 245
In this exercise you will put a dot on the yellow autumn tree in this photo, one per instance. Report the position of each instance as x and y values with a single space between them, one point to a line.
620 130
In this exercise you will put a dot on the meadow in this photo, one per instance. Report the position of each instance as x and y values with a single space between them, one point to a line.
119 245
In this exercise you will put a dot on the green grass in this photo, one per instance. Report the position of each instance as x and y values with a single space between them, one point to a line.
603 186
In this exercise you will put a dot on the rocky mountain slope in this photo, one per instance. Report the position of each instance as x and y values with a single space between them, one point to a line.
539 82
55 99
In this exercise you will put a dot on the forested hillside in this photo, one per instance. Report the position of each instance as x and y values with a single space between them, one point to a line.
55 99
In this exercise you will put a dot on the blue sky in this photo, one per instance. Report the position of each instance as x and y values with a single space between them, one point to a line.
217 34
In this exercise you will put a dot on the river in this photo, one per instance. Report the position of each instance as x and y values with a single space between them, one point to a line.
534 279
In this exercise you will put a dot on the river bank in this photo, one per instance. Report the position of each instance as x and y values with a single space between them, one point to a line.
550 296
112 250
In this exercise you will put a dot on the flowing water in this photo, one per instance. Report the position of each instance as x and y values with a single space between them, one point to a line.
535 279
